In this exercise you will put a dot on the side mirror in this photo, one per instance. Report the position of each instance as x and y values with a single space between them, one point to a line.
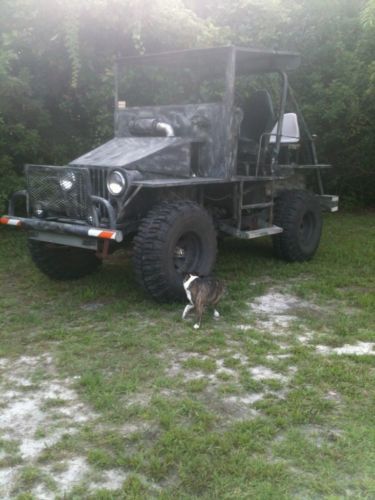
290 133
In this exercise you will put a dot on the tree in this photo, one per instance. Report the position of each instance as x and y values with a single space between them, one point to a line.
56 70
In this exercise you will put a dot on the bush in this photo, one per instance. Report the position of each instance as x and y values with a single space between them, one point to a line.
56 71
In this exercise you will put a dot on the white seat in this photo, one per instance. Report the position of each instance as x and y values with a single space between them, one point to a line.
290 133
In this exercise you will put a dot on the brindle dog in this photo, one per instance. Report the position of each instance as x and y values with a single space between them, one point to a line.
202 292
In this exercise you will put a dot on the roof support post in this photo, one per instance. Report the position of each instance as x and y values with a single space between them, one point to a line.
115 96
230 81
284 95
310 138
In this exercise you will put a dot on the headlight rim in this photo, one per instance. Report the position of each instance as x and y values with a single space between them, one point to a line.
123 178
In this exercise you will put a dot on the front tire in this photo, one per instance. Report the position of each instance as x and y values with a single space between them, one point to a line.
174 239
298 213
62 263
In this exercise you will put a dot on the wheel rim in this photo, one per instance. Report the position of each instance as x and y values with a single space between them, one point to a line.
307 228
187 253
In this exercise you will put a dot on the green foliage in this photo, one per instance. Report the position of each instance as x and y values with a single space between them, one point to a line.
56 76
337 86
72 41
368 14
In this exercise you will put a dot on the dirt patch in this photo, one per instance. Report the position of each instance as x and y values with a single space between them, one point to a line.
233 407
333 396
277 357
136 427
139 399
265 373
358 349
225 372
275 312
77 471
213 375
177 367
244 360
38 408
248 399
37 414
305 338
238 408
245 328
274 302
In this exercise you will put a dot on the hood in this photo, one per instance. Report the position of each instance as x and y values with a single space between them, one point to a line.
128 151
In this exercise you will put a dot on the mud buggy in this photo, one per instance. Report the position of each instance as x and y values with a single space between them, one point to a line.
206 141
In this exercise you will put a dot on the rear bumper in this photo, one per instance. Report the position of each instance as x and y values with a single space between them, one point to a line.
329 202
82 231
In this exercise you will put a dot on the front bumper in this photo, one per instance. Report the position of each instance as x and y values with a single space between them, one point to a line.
80 230
65 232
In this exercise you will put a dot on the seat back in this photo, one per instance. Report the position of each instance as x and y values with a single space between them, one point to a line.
290 133
259 116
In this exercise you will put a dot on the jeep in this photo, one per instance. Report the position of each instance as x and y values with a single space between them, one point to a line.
207 142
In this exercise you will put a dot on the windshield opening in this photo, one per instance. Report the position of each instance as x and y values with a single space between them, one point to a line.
247 86
153 85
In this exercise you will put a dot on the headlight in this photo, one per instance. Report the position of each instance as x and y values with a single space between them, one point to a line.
116 183
67 181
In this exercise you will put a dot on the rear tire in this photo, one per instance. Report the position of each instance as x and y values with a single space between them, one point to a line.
298 213
60 262
175 238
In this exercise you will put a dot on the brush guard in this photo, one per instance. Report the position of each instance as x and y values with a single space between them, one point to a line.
79 229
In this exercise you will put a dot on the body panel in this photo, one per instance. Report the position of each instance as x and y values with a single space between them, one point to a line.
168 155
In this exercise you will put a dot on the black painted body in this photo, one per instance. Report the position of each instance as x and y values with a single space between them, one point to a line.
205 160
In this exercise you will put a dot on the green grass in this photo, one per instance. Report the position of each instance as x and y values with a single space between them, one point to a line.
135 363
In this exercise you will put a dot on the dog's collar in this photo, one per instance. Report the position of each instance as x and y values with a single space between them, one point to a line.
190 281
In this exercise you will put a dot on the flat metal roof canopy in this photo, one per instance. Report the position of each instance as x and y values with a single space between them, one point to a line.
213 61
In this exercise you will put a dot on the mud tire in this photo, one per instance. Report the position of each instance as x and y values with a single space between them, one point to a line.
298 213
63 263
170 229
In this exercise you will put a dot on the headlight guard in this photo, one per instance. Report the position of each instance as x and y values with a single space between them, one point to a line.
67 180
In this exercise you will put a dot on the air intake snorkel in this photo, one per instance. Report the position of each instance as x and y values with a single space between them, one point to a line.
151 126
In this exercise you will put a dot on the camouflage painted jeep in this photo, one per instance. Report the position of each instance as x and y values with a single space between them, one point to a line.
208 141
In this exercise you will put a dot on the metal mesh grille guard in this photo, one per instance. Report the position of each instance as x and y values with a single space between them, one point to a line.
59 191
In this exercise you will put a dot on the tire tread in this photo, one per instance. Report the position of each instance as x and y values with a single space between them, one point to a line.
288 206
63 263
149 241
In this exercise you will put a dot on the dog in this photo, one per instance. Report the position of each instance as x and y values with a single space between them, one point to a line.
202 292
